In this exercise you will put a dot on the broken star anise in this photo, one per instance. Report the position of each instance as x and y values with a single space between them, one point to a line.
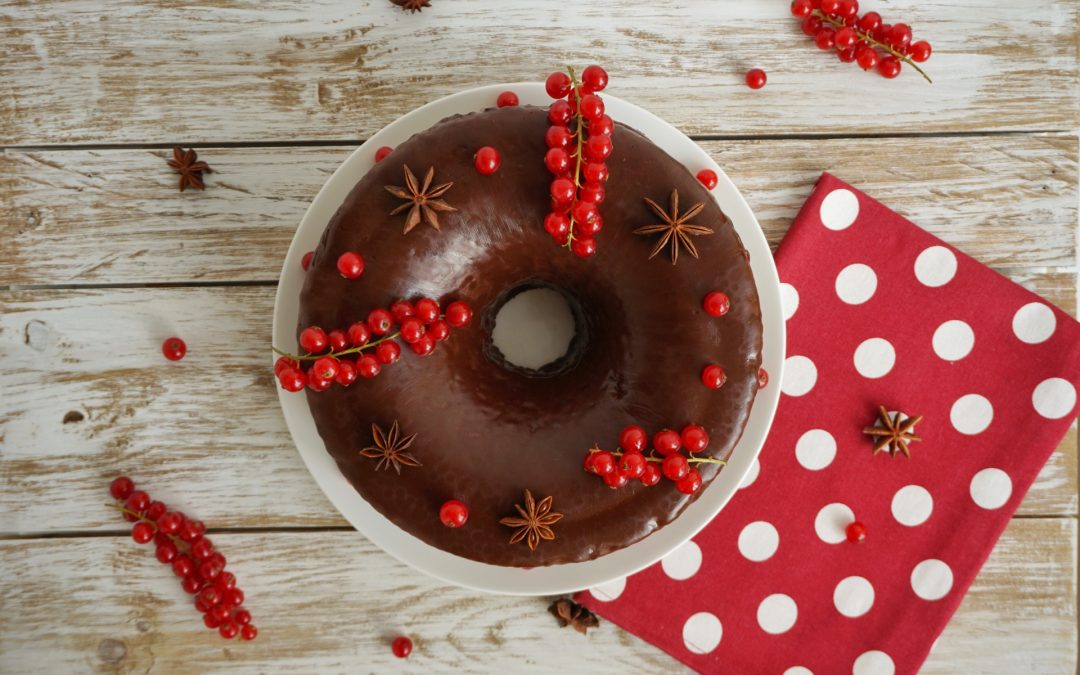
675 230
535 522
390 448
186 163
412 5
569 613
423 201
894 434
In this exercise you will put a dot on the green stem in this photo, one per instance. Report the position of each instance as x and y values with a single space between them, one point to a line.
653 458
335 355
865 37
579 133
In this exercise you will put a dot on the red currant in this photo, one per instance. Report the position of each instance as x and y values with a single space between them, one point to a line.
899 36
440 330
616 479
558 137
593 192
713 376
137 501
597 149
556 224
594 78
563 191
234 597
210 569
666 442
632 464
166 552
285 363
411 330
920 51
350 265
487 160
225 581
855 532
716 304
305 261
675 467
603 462
427 310
402 646
367 366
584 212
588 229
382 153
142 532
558 84
325 368
249 632
602 126
242 617
694 438
708 178
401 310
592 107
595 172
317 383
220 612
453 513
560 113
810 25
584 247
155 510
867 57
387 352
889 67
825 38
881 32
229 630
358 334
869 22
424 346
211 621
830 7
210 596
169 522
762 378
313 339
191 584
458 314
801 8
556 160
651 475
633 439
182 566
121 488
292 380
174 349
337 340
507 99
379 321
690 483
849 9
756 78
845 38
201 549
190 530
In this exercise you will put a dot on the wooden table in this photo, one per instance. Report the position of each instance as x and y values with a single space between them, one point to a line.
101 259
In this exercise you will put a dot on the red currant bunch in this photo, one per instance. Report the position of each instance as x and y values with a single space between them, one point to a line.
180 542
618 467
837 26
579 143
370 344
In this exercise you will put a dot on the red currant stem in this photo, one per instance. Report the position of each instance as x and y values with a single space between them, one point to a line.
180 543
343 352
659 460
579 134
865 37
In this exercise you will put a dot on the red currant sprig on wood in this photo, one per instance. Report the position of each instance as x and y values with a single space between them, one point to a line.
180 542
420 326
579 141
836 24
618 468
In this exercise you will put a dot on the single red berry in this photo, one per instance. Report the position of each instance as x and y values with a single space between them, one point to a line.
379 321
594 78
810 25
221 612
225 581
588 464
174 349
121 487
234 597
849 9
560 113
337 340
869 22
616 479
666 442
899 36
169 522
602 126
411 330
242 617
229 630
346 374
358 334
211 621
201 549
558 84
424 346
325 368
651 476
190 530
584 247
801 8
292 380
708 178
368 366
716 304
595 172
881 33
161 538
507 99
249 632
218 559
192 583
847 55
142 532
920 51
632 464
401 310
558 136
317 383
201 606
867 57
889 67
166 552
855 532
387 352
155 510
592 107
305 261
284 363
401 646
556 224
593 192
583 212
487 160
675 467
313 339
427 310
210 569
210 596
382 153
458 314
597 148
713 376
756 78
182 566
830 7
690 483
633 439
137 501
825 38
557 161
350 265
563 191
845 38
694 438
453 513
603 463
762 378
440 330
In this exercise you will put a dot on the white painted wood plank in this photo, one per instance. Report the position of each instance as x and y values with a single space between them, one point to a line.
115 216
330 602
193 430
85 71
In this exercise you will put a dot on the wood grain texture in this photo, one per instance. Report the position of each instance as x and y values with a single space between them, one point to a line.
331 602
83 71
193 430
115 216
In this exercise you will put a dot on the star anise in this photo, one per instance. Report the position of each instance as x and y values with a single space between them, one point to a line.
569 613
185 163
674 230
390 449
422 201
894 434
412 5
535 521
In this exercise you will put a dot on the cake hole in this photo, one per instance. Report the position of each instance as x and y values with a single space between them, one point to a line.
534 328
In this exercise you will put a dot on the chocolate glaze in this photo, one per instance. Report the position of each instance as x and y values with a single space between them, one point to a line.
486 432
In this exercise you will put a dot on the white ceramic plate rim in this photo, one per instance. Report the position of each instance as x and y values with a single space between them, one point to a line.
553 579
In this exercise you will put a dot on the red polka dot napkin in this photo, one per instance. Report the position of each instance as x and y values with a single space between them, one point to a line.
879 313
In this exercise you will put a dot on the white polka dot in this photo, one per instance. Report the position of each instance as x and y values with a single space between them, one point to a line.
991 488
798 670
789 300
758 541
935 266
777 613
683 562
831 523
751 475
701 633
1034 323
953 340
874 358
853 597
856 284
931 579
912 505
873 662
815 449
800 376
608 591
839 209
971 414
1054 398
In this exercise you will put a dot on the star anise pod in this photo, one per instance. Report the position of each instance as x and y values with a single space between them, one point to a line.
186 163
535 521
569 613
412 5
390 449
674 230
423 201
894 434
